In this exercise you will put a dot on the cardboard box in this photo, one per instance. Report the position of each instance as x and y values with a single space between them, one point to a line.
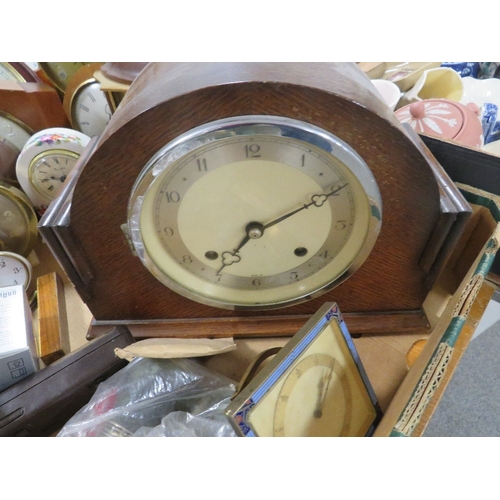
18 357
409 393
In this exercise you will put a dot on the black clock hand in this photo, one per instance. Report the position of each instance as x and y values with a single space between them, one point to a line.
255 230
323 385
318 200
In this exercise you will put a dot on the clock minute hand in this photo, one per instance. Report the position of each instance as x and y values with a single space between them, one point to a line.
255 230
318 200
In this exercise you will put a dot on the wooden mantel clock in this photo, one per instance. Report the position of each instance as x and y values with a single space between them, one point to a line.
228 199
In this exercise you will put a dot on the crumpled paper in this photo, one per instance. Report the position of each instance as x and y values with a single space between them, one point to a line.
168 348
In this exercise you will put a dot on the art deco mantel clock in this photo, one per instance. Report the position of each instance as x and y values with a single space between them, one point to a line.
227 199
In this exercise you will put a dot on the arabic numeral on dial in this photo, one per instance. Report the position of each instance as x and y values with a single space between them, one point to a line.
294 275
172 196
341 224
201 163
335 188
252 151
168 231
256 282
187 259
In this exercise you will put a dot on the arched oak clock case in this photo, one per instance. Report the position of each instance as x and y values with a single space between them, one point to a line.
167 100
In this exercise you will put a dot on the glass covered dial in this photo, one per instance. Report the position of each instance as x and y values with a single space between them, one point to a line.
48 171
254 212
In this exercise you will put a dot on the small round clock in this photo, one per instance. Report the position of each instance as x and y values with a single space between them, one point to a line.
85 103
18 221
254 212
14 270
46 161
13 136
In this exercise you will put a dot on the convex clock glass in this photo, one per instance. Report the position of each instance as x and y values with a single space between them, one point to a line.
254 212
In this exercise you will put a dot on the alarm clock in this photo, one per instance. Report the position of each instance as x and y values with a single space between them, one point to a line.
231 199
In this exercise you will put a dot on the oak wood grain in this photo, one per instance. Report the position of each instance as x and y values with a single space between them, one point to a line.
168 99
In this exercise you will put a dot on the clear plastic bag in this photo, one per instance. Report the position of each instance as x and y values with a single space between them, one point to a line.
156 397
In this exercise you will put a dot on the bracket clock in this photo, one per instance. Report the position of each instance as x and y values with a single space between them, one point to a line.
227 199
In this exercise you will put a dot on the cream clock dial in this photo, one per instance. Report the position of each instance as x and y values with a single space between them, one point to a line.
18 221
18 72
14 270
13 136
254 212
48 171
315 386
13 132
45 162
7 72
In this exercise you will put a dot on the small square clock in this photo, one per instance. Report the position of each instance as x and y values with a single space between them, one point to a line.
315 386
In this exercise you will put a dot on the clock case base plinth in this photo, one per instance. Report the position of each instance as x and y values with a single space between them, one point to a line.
423 213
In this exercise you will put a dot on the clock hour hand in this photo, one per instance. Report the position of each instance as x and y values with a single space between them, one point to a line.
253 231
323 385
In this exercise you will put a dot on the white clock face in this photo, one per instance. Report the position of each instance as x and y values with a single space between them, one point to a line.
13 133
90 109
49 170
254 214
14 270
7 72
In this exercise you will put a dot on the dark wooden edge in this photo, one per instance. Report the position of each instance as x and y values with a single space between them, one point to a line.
277 326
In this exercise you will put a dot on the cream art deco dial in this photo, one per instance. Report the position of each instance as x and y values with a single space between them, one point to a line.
315 386
254 212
